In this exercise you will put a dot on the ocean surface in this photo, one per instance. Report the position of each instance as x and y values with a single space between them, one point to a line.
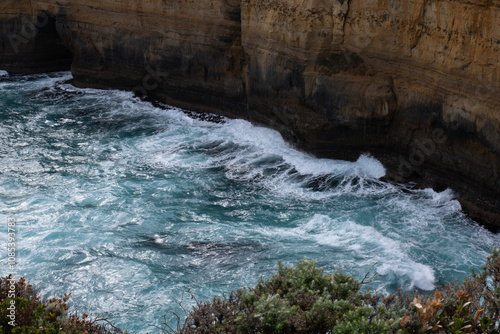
127 206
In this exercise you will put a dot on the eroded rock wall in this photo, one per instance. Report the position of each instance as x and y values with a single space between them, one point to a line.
415 83
29 41
178 51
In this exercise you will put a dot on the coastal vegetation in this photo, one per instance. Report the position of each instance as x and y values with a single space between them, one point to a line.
31 314
302 299
344 61
297 299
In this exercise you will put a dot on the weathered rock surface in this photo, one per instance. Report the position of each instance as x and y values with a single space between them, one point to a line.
415 83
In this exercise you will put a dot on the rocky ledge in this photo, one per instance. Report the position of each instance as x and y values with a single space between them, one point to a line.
414 83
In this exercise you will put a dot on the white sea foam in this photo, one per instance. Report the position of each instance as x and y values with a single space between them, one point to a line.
369 167
263 142
421 276
247 152
363 242
3 74
250 153
117 186
269 142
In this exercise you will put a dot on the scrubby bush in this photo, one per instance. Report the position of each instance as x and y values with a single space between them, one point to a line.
472 307
33 315
297 299
302 299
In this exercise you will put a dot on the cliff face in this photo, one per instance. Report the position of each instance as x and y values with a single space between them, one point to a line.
189 50
414 83
29 41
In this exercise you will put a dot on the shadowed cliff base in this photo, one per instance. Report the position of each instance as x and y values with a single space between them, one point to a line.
415 84
407 166
416 164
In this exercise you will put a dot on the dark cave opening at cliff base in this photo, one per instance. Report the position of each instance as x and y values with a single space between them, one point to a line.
34 45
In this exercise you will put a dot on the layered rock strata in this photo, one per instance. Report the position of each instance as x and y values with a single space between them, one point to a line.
414 83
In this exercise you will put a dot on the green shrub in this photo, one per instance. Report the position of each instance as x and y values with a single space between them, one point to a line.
36 316
297 299
473 307
301 299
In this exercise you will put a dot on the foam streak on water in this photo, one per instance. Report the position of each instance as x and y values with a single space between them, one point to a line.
127 205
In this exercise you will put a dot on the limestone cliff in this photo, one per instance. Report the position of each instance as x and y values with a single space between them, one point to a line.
415 83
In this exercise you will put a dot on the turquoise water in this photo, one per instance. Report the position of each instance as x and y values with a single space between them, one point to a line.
127 206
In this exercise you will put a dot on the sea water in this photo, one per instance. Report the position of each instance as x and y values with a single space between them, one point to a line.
129 206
